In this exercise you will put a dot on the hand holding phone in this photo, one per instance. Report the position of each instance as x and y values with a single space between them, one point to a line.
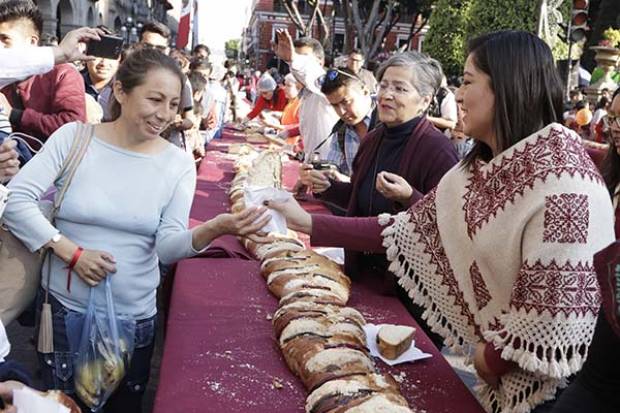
109 47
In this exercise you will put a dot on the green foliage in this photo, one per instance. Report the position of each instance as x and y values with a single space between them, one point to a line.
232 48
489 16
445 40
453 23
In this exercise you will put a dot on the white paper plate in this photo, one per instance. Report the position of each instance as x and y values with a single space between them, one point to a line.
412 354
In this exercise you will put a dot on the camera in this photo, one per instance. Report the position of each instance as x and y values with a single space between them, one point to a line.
320 165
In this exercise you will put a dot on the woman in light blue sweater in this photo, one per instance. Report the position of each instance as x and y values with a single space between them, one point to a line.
127 208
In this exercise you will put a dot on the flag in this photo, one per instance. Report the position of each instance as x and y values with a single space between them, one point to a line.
185 25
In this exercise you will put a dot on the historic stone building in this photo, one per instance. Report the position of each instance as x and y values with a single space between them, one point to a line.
123 16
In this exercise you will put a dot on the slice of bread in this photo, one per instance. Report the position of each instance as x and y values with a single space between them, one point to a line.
394 340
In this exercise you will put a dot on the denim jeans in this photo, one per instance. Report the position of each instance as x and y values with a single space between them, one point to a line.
57 367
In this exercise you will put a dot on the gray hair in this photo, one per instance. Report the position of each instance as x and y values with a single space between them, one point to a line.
426 72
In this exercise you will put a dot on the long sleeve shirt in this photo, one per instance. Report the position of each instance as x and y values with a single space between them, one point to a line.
132 205
18 64
277 103
317 117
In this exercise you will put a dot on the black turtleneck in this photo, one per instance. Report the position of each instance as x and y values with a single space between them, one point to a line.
388 157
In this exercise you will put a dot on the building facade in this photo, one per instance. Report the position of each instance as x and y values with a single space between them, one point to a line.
123 16
269 15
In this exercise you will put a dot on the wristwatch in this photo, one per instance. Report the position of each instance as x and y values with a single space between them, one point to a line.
56 238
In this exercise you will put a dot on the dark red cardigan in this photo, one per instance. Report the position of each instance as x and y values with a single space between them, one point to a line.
427 156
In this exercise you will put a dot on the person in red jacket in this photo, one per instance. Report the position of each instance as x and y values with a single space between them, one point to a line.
40 104
271 97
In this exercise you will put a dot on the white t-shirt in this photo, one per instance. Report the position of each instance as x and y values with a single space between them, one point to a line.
317 117
448 107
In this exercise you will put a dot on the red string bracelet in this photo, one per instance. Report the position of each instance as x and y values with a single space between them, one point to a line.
74 260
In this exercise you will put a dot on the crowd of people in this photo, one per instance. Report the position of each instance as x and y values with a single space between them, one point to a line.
475 203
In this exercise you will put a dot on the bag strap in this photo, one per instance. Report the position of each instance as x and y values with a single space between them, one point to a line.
79 147
83 136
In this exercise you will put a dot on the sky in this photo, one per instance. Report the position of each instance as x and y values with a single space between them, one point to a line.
221 20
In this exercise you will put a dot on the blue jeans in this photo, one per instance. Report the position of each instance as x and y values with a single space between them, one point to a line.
57 367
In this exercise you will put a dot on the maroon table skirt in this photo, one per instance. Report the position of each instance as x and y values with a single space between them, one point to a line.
220 353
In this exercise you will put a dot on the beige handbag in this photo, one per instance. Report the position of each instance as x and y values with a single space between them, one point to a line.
20 269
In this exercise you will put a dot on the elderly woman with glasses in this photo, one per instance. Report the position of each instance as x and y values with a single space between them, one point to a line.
397 162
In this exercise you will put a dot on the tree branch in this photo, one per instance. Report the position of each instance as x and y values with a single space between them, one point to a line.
373 14
324 25
293 13
382 32
312 18
359 27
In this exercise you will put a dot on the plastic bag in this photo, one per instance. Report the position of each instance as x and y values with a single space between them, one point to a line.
102 344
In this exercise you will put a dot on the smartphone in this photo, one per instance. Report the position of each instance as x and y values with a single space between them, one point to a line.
109 47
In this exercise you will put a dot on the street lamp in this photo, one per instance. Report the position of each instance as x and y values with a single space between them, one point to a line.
130 30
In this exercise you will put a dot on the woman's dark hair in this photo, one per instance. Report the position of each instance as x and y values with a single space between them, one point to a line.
602 103
336 78
611 165
526 85
133 71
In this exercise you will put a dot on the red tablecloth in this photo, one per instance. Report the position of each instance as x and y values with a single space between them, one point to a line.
214 176
220 353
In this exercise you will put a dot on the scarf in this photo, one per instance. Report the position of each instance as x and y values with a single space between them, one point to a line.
502 252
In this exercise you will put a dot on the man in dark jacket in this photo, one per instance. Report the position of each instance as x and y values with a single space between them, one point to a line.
40 104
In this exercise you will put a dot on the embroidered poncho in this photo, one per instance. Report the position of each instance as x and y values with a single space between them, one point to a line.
502 253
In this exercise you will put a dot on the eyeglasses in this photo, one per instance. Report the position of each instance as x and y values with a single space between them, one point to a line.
158 47
384 87
332 74
611 120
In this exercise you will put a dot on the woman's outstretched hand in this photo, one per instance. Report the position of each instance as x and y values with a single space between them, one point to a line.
247 223
297 218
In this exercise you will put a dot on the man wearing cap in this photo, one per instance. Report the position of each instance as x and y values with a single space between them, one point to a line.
271 97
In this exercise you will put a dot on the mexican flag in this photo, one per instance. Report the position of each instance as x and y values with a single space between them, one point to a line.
185 22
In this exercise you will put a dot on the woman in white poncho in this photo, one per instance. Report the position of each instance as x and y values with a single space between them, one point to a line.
500 253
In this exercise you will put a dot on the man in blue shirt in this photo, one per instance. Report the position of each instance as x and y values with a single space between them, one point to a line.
352 101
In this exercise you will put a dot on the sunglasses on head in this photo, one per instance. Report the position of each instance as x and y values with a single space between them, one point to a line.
333 74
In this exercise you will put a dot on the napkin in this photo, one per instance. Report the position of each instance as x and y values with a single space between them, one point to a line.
334 254
255 196
28 401
412 354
